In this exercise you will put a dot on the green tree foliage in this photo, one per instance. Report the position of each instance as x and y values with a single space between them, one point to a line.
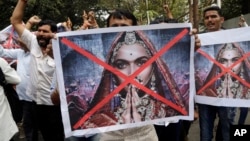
59 10
147 9
6 9
230 8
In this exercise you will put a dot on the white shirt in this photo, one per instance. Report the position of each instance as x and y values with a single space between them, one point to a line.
8 126
41 68
22 69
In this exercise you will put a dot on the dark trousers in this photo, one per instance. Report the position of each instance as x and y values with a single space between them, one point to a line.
207 116
243 115
49 121
29 121
78 139
220 130
172 132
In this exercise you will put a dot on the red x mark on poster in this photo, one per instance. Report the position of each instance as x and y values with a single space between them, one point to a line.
224 70
11 41
127 79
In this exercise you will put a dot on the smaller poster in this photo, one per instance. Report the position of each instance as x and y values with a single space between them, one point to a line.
9 40
222 68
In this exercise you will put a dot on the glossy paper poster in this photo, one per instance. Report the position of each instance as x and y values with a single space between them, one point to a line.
116 78
8 38
222 68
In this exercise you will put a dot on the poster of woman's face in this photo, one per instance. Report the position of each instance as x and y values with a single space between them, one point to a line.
125 77
222 71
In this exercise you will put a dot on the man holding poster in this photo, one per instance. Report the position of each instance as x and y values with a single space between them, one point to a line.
213 82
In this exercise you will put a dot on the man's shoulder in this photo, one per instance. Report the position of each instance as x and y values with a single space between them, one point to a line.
27 32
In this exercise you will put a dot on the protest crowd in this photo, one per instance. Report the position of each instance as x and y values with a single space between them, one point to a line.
34 78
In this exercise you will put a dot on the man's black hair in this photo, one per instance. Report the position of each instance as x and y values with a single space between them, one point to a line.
51 23
163 19
121 14
214 8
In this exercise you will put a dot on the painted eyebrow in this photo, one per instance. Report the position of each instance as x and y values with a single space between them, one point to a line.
143 57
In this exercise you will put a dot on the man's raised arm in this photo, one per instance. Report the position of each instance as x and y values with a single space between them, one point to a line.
17 16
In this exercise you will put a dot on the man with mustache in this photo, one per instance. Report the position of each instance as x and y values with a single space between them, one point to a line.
213 21
47 116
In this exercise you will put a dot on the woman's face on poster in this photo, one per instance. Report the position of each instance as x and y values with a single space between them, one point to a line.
229 57
129 58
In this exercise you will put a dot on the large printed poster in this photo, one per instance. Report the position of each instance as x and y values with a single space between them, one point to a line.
117 78
222 68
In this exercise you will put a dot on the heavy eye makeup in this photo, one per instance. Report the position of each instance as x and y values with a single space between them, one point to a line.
122 64
223 61
235 59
